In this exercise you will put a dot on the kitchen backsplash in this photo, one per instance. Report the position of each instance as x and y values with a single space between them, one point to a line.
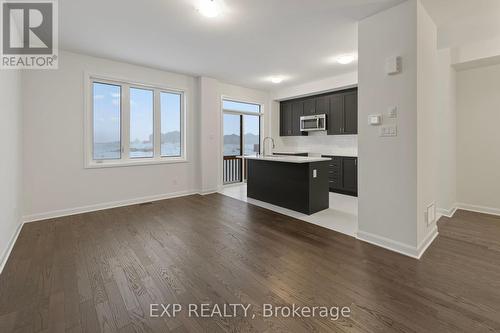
320 143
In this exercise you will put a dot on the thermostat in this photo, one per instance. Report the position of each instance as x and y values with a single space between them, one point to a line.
375 119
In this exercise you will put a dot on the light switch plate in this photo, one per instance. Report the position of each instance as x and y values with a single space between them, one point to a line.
389 131
393 65
393 112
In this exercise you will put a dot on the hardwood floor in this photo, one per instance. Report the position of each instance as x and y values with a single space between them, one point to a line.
101 271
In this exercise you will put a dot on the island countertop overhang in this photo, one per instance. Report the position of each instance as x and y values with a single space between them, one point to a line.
288 159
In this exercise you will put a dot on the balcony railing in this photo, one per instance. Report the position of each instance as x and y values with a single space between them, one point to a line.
232 169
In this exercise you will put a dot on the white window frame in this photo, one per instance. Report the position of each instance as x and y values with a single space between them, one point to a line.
89 79
223 111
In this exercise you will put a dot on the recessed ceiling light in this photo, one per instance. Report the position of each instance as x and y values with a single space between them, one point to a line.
209 8
276 79
346 59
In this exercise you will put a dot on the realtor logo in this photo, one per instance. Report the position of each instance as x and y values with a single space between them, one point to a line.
29 34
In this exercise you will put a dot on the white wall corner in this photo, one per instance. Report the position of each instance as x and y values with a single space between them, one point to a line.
5 256
447 212
427 241
388 175
401 248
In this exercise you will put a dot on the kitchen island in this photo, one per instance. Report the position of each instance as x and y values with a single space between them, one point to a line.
294 182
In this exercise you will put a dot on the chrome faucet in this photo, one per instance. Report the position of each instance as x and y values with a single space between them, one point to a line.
264 144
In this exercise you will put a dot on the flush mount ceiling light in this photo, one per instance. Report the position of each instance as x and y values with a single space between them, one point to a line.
209 8
346 59
276 79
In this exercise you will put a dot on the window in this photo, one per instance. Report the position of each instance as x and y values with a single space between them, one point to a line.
170 124
251 135
129 124
107 119
228 105
242 137
232 135
141 123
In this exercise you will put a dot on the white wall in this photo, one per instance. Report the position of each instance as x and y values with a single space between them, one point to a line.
447 134
347 80
427 121
55 179
11 164
478 139
477 54
209 140
387 168
398 176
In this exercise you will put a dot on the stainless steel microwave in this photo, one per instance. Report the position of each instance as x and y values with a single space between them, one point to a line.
313 123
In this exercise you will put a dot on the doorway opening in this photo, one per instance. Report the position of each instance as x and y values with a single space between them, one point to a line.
242 123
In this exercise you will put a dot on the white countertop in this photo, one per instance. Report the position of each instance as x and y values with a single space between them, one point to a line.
289 152
340 152
288 159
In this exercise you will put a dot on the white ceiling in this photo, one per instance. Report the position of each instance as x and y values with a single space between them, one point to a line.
251 41
464 21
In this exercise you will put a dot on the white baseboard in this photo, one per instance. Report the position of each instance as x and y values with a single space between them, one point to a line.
86 209
6 254
389 244
448 212
405 249
479 209
424 245
107 205
207 192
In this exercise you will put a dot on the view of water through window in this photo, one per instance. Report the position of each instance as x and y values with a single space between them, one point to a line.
235 124
107 121
141 123
107 114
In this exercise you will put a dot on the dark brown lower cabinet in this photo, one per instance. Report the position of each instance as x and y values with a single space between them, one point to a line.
343 175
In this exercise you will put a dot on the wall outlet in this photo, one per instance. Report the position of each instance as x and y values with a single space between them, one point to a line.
431 214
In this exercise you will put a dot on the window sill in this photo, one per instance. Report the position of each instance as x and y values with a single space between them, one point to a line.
137 162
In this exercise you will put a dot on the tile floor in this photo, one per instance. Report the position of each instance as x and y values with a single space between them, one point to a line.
342 216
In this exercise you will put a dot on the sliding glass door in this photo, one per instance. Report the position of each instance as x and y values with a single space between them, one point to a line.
242 137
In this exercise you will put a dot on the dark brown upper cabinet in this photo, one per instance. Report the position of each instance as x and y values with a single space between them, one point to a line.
340 107
343 115
310 107
297 112
322 104
351 112
335 116
286 119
